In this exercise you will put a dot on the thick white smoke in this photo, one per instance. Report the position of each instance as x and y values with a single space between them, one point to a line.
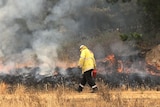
35 27
11 39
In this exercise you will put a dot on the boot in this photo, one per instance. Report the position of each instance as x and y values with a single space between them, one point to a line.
79 89
94 90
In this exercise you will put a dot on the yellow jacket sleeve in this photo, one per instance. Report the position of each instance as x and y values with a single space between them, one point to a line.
81 59
94 61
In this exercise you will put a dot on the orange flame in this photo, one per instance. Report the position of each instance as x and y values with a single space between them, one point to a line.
6 67
110 58
120 66
151 71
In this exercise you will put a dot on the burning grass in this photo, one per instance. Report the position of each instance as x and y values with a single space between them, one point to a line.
68 97
119 85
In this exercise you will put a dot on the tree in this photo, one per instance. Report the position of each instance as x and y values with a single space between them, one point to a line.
151 13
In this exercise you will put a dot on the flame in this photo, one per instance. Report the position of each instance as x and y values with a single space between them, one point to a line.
7 67
152 69
110 58
124 66
120 66
112 63
25 64
65 64
4 68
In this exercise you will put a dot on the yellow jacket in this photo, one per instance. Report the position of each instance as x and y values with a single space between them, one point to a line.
86 60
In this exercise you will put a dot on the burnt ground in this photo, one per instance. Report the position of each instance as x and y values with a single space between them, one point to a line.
31 77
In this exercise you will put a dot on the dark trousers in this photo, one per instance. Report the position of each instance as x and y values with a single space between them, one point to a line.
87 78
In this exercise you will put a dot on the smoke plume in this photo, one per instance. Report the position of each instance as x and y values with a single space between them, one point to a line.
32 30
35 28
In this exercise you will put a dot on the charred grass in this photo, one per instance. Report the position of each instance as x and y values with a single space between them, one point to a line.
61 96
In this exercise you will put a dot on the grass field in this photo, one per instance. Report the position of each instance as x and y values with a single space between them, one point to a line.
67 97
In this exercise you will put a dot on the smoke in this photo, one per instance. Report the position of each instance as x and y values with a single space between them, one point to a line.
15 34
32 30
123 49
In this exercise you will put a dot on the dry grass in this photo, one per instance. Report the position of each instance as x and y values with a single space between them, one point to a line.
66 97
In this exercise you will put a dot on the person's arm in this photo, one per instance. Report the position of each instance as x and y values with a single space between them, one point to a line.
93 58
81 59
94 61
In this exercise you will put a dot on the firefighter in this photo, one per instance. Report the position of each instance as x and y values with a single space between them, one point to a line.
87 64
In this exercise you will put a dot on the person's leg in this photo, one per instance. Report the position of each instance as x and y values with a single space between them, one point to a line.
90 80
82 83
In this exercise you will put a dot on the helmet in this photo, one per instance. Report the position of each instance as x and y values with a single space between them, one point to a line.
81 46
